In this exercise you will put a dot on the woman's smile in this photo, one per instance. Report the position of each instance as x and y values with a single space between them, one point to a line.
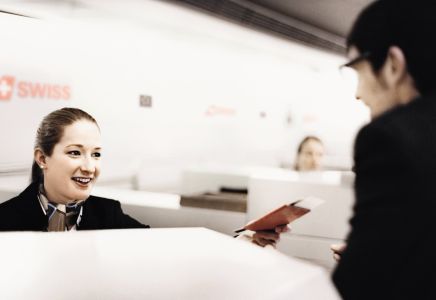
82 181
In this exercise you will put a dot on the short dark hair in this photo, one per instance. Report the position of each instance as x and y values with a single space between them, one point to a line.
51 130
408 24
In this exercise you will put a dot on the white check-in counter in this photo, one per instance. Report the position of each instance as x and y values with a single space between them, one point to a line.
189 263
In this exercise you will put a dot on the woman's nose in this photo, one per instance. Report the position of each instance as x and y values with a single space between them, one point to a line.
88 165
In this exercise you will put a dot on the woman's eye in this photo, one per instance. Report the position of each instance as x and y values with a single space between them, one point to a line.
74 153
96 154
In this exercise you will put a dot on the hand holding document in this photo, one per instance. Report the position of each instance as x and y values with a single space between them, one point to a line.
283 215
269 226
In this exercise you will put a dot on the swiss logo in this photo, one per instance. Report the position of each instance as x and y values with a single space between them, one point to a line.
12 88
6 87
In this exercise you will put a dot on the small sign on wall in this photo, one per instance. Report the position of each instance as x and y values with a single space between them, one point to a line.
145 101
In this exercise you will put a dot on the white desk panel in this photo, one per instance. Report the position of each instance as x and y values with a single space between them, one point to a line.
190 263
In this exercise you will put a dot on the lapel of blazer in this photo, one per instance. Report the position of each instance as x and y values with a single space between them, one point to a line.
89 218
30 211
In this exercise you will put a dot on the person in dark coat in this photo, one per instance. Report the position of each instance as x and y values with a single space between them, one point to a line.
390 252
66 166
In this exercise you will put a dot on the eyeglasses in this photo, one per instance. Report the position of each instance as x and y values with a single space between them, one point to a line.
354 61
349 75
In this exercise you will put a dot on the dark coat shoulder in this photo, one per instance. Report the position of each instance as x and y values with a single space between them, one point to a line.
103 213
24 213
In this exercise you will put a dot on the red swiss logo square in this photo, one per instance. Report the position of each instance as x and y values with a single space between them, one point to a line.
6 87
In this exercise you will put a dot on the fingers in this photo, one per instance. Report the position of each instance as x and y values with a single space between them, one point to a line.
264 238
282 228
338 249
267 235
337 257
263 242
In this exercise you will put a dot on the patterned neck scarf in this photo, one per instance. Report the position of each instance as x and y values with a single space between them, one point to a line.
60 217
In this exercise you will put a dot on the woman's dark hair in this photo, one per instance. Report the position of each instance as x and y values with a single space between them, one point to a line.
406 24
301 145
50 132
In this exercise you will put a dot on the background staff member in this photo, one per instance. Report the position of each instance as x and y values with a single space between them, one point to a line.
66 166
310 153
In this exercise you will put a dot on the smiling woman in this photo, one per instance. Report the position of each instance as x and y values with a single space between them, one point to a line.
66 166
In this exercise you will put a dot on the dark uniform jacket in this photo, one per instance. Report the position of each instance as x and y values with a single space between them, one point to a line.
24 212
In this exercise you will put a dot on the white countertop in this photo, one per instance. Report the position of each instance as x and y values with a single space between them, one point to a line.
188 263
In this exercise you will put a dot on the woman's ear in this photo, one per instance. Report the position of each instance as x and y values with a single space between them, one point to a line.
39 157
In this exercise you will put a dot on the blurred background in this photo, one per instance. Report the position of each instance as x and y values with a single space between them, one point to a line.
176 84
201 105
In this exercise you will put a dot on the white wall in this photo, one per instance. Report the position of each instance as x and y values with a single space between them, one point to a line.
210 80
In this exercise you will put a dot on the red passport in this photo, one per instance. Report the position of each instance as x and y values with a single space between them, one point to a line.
283 215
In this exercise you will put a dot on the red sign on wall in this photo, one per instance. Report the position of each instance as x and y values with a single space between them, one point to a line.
30 89
6 87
